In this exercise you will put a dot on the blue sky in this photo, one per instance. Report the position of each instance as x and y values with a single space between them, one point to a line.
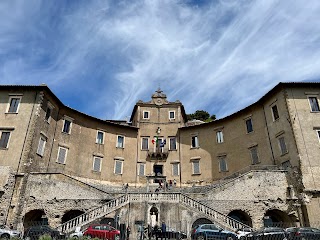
101 57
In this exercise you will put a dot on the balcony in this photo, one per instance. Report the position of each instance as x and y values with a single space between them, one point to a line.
159 154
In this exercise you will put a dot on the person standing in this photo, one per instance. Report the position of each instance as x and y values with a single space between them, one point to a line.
128 232
163 230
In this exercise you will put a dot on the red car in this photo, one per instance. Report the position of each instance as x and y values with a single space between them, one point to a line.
102 231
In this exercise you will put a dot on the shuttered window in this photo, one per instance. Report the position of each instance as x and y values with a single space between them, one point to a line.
196 166
118 166
282 145
254 155
194 142
223 164
145 143
97 164
142 169
175 169
62 155
41 146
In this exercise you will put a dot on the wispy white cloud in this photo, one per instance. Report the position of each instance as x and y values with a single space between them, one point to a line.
101 57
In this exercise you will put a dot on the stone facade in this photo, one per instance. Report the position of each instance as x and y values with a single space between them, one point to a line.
258 165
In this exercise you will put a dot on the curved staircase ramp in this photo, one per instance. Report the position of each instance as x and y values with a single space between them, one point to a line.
94 214
218 218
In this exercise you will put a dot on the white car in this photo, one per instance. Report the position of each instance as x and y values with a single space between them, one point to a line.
241 233
6 232
77 233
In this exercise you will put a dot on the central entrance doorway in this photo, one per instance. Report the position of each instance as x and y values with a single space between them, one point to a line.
158 171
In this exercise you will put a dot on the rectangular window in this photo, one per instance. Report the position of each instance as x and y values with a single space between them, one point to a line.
142 169
254 155
100 137
146 114
171 114
275 113
249 125
4 140
194 142
66 126
282 145
196 167
62 155
118 164
48 114
219 137
314 105
318 134
97 164
14 103
172 143
223 164
145 143
175 169
120 141
41 146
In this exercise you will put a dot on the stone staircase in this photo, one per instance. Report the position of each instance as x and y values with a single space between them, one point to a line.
218 218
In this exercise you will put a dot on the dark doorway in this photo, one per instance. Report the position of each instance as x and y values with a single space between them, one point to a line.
158 171
34 218
241 216
200 221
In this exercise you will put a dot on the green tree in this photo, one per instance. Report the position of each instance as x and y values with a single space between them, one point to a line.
201 115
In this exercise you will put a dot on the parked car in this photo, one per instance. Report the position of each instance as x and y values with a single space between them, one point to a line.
242 232
211 231
303 233
6 232
77 233
34 232
269 233
170 234
103 231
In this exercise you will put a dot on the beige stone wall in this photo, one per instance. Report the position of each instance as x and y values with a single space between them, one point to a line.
305 124
7 181
235 147
17 123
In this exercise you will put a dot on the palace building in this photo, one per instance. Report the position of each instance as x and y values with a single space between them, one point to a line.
258 167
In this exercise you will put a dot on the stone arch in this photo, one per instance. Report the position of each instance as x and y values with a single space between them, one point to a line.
277 218
201 221
241 216
70 215
154 216
35 217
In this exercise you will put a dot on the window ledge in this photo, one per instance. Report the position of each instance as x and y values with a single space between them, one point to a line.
195 147
1 148
120 147
195 174
39 154
65 133
223 171
314 111
99 143
284 153
250 132
11 113
96 172
173 149
61 163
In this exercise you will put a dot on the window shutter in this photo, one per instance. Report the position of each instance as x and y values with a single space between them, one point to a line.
97 164
62 155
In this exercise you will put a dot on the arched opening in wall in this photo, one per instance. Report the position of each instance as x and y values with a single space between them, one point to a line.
34 218
70 215
277 218
109 221
154 216
241 216
200 221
